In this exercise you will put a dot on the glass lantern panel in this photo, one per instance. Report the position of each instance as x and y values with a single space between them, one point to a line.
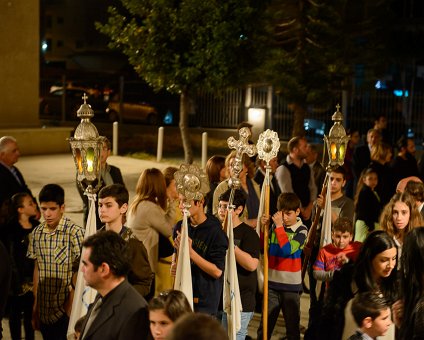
342 151
333 151
78 159
90 159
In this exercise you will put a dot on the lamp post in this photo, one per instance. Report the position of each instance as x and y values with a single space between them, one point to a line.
336 143
86 146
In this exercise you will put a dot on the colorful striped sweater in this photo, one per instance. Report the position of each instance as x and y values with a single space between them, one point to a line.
284 263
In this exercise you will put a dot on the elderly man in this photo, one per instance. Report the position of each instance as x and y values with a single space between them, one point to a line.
119 312
11 179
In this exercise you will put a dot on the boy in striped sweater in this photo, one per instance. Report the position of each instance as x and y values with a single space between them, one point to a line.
286 241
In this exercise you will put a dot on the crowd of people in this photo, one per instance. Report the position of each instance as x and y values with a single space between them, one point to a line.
366 283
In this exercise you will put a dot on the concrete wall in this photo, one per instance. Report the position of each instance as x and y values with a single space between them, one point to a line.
40 141
19 63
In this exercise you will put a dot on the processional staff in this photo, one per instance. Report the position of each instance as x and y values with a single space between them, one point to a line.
268 146
231 296
336 144
192 183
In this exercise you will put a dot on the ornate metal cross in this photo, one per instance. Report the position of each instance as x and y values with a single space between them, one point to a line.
241 146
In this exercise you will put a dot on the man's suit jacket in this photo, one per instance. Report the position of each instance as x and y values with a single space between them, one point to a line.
8 187
123 315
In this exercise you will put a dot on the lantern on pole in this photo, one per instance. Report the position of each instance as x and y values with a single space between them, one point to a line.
86 146
336 141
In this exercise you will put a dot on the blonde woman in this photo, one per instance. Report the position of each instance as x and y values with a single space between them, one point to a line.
151 213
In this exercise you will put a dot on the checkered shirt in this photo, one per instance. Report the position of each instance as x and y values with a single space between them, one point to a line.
57 254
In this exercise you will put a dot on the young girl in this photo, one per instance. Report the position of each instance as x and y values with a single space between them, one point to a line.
374 271
399 217
151 213
164 310
367 204
21 297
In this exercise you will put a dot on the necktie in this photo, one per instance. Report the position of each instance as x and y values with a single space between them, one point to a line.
94 312
15 173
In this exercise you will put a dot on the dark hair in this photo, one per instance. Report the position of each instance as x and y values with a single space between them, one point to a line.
238 200
340 170
294 142
117 191
288 201
213 167
197 326
368 304
52 193
244 124
416 190
108 247
377 242
343 224
402 142
17 202
412 278
173 303
169 173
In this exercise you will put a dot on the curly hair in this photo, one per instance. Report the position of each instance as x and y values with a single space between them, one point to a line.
386 217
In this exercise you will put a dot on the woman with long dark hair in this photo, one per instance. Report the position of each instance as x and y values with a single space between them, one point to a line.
374 271
412 282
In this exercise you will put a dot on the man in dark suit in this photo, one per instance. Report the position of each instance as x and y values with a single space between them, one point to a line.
119 312
11 179
109 174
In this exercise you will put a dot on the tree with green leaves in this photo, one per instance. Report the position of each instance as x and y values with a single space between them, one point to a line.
186 46
316 45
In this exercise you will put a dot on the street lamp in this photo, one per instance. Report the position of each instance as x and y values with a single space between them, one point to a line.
86 146
336 141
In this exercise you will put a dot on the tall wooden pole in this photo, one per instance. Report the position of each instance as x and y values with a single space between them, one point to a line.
266 239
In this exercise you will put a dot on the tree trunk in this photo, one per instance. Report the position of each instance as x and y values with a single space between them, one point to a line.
184 107
298 121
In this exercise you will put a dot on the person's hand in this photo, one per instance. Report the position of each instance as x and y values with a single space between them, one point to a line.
397 310
342 258
35 320
278 219
265 219
320 201
177 241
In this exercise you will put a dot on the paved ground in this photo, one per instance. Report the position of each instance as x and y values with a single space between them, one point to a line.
60 169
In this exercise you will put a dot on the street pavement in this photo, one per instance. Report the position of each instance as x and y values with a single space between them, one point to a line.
60 169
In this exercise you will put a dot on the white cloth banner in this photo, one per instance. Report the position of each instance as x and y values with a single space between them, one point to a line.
84 295
326 219
231 298
183 280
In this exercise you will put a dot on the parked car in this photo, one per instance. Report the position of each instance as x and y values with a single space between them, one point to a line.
132 109
51 104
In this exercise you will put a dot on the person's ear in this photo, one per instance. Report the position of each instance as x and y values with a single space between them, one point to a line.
343 183
123 209
297 211
367 322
